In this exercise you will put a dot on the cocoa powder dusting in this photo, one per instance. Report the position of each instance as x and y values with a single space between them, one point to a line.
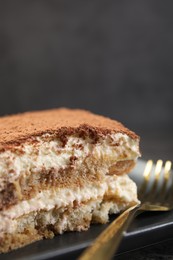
17 129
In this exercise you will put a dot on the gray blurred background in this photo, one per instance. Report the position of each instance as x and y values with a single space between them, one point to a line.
111 57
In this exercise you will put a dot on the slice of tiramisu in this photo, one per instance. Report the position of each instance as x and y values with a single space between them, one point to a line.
61 170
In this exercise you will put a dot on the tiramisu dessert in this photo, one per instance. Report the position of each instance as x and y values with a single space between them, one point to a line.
61 170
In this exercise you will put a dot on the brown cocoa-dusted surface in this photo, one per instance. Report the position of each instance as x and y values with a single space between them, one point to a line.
17 128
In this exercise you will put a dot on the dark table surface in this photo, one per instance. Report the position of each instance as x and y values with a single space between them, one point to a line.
162 250
159 251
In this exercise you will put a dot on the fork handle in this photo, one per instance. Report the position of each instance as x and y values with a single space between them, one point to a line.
108 242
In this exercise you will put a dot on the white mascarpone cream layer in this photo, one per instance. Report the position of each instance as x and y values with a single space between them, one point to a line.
50 154
121 187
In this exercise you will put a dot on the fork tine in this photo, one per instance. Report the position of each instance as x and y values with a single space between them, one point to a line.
166 177
146 178
168 166
147 170
168 201
157 174
151 195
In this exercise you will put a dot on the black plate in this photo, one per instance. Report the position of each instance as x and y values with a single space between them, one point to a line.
148 228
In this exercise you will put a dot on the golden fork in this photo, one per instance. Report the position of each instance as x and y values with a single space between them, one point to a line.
155 194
